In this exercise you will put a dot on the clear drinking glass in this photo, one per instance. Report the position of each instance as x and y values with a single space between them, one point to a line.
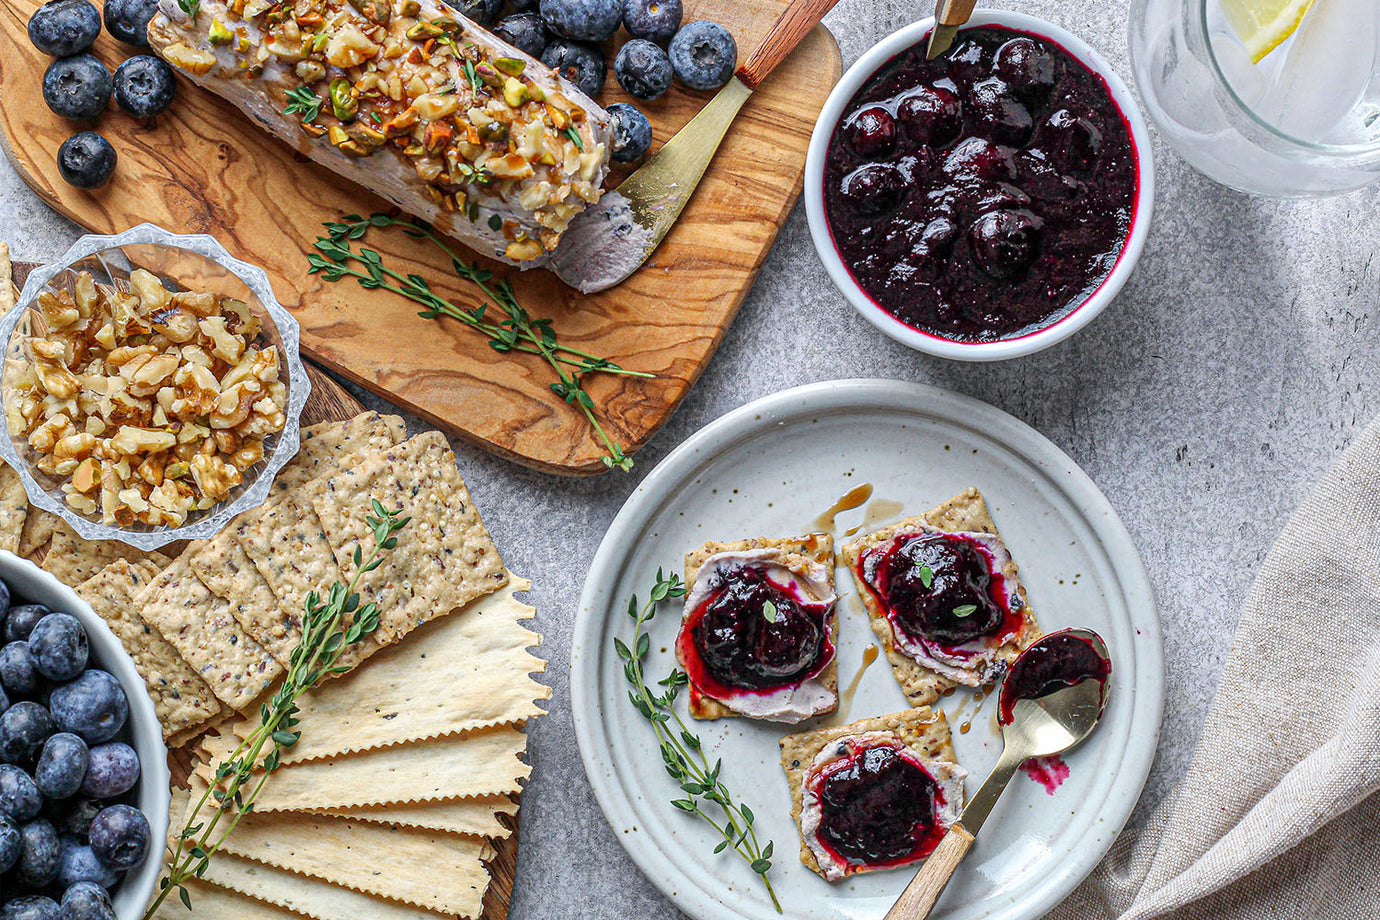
1305 120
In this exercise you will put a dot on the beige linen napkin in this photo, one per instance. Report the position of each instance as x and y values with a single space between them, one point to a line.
1274 818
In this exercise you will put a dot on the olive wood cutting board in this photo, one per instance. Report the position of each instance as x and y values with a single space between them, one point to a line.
205 168
330 401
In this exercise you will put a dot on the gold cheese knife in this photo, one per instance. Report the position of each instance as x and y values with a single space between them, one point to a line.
612 239
949 15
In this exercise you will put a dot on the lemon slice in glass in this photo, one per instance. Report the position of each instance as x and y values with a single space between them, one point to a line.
1263 25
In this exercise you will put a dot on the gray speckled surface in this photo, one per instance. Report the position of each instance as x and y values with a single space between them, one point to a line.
1230 372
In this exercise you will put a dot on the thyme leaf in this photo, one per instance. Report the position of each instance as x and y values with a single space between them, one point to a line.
191 7
965 610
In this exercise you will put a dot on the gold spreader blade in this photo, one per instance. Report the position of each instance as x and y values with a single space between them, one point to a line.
949 15
941 40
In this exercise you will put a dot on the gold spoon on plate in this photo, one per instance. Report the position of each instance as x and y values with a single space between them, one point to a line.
1040 727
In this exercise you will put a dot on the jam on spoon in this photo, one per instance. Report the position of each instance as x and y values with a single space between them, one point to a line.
1058 660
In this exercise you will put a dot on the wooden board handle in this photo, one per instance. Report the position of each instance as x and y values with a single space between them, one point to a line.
795 23
916 902
954 12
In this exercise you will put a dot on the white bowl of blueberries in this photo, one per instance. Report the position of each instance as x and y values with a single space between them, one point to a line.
84 783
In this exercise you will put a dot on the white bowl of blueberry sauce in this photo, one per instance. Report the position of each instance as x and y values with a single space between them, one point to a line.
119 757
987 204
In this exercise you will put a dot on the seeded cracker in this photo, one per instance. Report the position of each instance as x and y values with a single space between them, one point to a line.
72 559
477 817
39 526
445 557
467 671
182 700
327 445
14 509
290 550
9 295
200 627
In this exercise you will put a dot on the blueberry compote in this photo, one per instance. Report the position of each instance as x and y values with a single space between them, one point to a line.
877 807
983 194
754 633
1059 660
939 587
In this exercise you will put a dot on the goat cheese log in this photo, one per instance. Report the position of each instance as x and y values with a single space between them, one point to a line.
411 101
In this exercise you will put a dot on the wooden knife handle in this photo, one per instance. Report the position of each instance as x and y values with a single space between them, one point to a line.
954 12
795 23
916 902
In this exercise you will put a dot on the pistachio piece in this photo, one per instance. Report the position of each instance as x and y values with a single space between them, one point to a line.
488 76
558 118
411 7
438 135
535 91
338 135
421 31
511 66
310 72
493 131
343 103
447 25
313 130
369 139
376 11
514 93
219 34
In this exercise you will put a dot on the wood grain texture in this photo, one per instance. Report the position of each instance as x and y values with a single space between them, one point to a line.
796 22
205 168
916 902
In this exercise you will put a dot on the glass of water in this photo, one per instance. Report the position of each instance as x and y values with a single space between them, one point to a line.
1303 120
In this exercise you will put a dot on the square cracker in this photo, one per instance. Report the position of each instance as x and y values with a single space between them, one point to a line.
325 447
923 730
14 509
72 559
182 699
290 550
199 625
815 547
964 513
444 558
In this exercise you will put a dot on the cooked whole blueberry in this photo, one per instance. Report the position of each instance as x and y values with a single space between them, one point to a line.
144 86
936 587
871 131
878 807
18 670
643 69
77 87
128 20
58 645
87 901
980 160
632 133
874 187
120 837
24 727
31 907
525 31
998 114
19 796
484 12
583 20
86 161
931 115
73 817
38 857
92 706
61 765
704 55
1072 142
969 61
581 64
1005 242
655 20
63 28
78 862
21 621
1027 67
112 769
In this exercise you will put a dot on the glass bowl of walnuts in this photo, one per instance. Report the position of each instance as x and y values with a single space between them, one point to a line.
152 387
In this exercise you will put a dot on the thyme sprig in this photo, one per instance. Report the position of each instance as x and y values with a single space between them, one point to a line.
682 752
337 258
302 101
240 778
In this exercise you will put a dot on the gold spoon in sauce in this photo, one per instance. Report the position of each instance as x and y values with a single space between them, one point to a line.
1034 726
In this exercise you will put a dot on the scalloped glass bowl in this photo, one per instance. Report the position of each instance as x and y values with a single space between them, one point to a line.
182 262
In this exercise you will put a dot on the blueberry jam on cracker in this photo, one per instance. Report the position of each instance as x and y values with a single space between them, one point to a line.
982 195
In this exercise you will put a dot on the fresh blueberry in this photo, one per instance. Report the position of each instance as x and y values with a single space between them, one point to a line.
78 862
128 20
62 766
524 31
86 160
38 858
92 706
144 86
19 796
871 131
655 20
18 671
24 727
120 837
31 907
704 55
484 12
21 621
4 600
63 28
998 114
643 69
583 20
87 901
1027 66
77 87
932 115
73 817
523 6
11 842
632 133
582 65
58 643
874 187
112 769
1004 243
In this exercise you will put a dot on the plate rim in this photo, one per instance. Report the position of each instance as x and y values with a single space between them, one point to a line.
731 428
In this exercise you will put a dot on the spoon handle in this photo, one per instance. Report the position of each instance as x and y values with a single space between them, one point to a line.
916 902
795 23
